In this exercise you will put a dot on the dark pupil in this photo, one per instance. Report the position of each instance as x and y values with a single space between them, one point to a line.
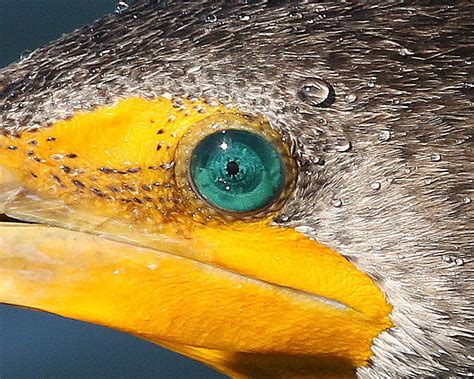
232 168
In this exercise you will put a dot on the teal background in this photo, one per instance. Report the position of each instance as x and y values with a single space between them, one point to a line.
39 345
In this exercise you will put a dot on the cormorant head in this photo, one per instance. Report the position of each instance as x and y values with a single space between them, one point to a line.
272 189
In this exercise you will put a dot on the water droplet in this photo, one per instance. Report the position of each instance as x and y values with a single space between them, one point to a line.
153 266
211 18
447 258
384 135
463 140
121 7
167 165
194 69
243 17
317 160
25 54
336 203
371 84
404 51
116 272
227 188
295 15
322 121
459 261
350 98
283 218
466 200
101 53
435 157
375 186
316 92
343 146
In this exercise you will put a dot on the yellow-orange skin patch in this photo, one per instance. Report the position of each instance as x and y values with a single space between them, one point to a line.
118 162
121 156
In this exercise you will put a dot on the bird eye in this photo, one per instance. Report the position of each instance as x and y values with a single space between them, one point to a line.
236 165
237 171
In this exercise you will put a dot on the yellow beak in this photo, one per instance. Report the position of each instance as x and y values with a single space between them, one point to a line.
244 296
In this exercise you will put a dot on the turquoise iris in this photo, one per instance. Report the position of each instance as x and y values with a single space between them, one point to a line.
237 171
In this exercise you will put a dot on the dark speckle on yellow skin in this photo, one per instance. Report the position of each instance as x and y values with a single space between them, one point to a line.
142 185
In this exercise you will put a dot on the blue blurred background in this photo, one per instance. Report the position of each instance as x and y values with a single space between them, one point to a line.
39 345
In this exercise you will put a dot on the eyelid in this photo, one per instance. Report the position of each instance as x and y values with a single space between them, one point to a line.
220 122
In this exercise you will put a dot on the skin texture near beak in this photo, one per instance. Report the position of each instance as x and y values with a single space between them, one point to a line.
86 277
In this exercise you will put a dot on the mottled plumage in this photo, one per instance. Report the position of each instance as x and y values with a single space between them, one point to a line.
385 168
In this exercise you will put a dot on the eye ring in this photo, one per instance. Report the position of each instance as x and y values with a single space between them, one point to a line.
246 126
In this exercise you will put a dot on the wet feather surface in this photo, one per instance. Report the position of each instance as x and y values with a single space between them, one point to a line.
378 103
